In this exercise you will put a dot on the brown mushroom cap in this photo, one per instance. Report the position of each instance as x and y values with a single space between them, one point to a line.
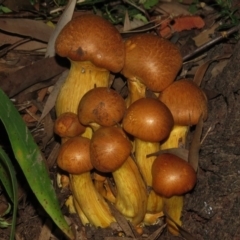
172 175
152 60
148 119
74 155
186 101
109 148
68 125
91 38
101 105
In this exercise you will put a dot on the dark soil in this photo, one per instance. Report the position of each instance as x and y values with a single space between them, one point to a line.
212 210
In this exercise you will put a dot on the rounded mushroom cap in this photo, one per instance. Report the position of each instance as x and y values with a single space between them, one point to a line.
148 119
172 176
186 101
68 125
91 38
109 149
152 60
101 105
74 155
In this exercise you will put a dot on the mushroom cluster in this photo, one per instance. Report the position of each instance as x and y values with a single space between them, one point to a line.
105 135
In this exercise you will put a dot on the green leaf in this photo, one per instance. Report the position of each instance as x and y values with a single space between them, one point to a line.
31 162
5 9
8 178
141 17
5 224
149 4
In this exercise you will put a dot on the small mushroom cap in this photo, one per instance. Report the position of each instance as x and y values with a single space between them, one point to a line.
186 101
68 125
101 105
172 176
109 148
74 155
152 60
91 38
148 119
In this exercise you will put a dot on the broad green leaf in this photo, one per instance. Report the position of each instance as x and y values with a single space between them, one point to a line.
8 178
31 162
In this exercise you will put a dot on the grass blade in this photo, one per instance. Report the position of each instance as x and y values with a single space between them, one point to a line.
31 162
8 178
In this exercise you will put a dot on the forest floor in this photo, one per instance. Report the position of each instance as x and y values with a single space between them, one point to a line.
211 56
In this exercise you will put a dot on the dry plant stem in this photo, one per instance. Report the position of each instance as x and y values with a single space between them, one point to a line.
215 40
131 199
173 205
90 201
145 166
82 77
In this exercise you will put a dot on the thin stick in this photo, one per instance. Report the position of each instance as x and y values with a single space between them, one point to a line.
215 40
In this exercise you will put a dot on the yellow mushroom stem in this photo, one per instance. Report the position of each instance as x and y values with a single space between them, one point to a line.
136 90
142 149
131 192
82 77
177 138
73 207
102 185
173 205
92 204
131 198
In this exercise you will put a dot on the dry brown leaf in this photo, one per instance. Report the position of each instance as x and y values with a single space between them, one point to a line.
17 5
193 156
64 19
119 238
50 103
6 39
122 221
183 232
127 24
27 27
33 109
157 233
48 130
219 67
46 231
203 68
173 8
30 75
53 155
205 35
